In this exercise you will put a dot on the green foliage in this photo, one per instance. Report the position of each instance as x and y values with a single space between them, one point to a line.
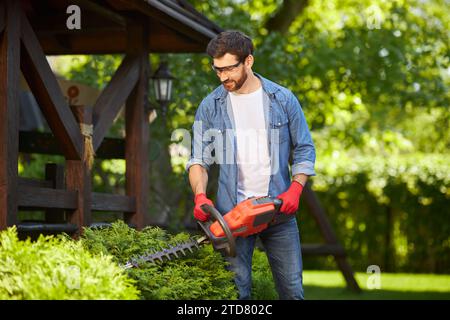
263 287
200 275
359 68
93 70
58 268
389 211
372 77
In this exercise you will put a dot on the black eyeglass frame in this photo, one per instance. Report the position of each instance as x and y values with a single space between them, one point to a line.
231 68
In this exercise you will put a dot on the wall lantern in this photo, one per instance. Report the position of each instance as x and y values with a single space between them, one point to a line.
162 82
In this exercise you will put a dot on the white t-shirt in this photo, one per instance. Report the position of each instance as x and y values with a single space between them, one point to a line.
253 158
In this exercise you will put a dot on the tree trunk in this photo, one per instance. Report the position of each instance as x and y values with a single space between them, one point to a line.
283 18
388 261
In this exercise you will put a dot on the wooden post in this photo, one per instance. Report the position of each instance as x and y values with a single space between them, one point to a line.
330 238
137 131
55 173
78 177
2 17
9 111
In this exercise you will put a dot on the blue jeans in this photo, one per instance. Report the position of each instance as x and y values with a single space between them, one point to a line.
282 245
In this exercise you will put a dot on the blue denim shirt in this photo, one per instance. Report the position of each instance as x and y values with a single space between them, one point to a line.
288 134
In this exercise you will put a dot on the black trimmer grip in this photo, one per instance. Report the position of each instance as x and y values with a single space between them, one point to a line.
227 244
279 216
277 203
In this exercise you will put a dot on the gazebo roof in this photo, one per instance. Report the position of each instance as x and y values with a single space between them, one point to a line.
174 25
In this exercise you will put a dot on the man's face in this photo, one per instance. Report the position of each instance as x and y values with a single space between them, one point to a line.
234 73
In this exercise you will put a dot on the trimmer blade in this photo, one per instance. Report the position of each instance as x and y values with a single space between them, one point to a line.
166 254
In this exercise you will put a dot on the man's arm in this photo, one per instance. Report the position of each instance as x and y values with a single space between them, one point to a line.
304 153
198 178
303 156
301 178
198 164
291 197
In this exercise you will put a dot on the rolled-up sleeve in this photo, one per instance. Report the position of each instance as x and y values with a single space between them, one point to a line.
304 152
201 125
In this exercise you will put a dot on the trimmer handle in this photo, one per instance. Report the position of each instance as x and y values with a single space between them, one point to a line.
279 216
226 244
277 203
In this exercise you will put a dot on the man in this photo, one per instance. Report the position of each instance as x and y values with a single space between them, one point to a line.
255 124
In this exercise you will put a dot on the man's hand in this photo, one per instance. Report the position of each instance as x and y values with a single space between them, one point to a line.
199 200
291 198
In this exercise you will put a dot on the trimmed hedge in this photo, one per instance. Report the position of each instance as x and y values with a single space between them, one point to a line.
58 268
200 275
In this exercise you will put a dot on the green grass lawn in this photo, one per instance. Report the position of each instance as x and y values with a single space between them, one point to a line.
321 285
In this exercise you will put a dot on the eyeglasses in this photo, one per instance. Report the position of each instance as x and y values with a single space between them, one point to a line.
226 69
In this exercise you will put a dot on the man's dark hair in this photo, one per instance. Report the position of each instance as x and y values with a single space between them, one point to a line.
232 42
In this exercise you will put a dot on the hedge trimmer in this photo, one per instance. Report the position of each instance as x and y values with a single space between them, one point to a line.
248 217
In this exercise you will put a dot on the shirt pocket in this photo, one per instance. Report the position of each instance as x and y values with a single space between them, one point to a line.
280 128
217 140
218 129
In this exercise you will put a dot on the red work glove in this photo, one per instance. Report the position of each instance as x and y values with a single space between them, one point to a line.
199 200
291 198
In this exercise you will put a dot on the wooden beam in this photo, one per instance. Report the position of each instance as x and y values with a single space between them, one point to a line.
106 42
323 249
9 111
101 33
100 201
163 38
47 92
79 33
111 148
102 10
136 128
27 182
121 5
173 19
55 24
113 202
45 143
313 203
113 97
55 174
2 17
99 38
38 142
33 197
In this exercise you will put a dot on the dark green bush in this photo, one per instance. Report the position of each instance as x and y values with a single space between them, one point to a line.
200 275
392 211
58 268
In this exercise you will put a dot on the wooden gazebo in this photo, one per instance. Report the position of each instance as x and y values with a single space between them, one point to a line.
30 30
